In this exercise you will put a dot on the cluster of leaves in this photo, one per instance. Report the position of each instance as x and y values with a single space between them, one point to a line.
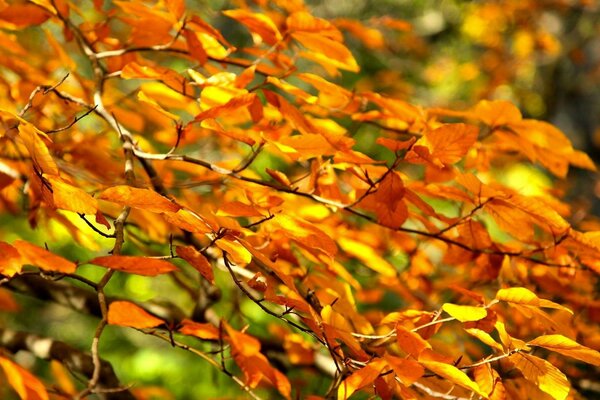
240 160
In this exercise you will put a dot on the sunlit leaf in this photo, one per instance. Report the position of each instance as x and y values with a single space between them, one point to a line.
68 197
143 199
465 313
135 265
34 255
543 374
364 376
196 260
125 313
525 296
454 375
567 347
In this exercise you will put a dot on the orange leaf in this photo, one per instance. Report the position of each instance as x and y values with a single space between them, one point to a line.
143 199
195 46
202 331
40 155
407 370
42 258
125 313
27 386
361 378
445 145
497 112
259 24
135 265
71 198
23 15
387 201
231 106
410 342
247 355
10 261
326 51
196 260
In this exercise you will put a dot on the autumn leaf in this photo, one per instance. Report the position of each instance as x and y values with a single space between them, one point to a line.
489 381
125 313
363 377
465 313
386 201
445 145
34 255
27 386
259 24
407 370
410 342
200 330
246 353
10 262
525 296
497 112
543 374
145 266
71 198
453 374
143 199
567 347
196 260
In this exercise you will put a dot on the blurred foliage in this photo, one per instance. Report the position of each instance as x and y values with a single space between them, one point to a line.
542 55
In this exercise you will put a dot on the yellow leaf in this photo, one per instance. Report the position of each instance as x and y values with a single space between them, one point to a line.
454 375
125 313
42 258
543 374
196 260
525 296
188 221
145 266
368 255
306 234
71 198
490 382
143 98
465 313
27 386
326 51
567 347
484 337
143 199
361 378
229 107
238 253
